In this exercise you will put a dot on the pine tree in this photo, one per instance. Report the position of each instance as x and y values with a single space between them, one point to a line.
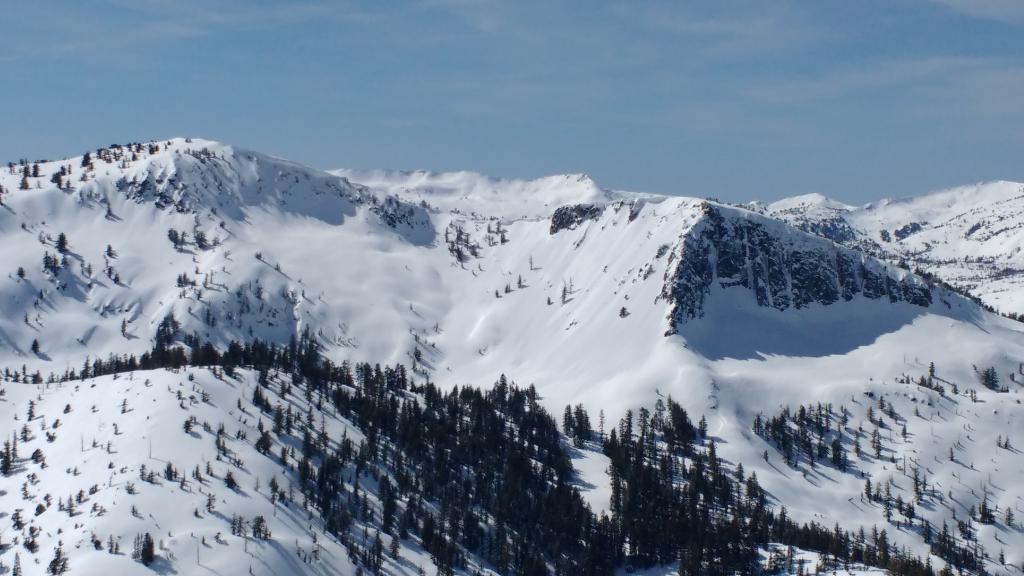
260 530
6 459
985 515
264 443
393 548
59 564
147 550
989 378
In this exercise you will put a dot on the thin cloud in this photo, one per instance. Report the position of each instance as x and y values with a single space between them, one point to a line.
69 31
1008 11
994 93
870 75
745 30
482 15
207 17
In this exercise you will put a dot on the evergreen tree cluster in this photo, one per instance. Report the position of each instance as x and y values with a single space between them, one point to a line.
576 424
460 245
144 549
814 434
674 500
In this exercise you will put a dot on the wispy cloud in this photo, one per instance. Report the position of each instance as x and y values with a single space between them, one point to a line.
731 29
1008 11
838 84
995 93
130 26
202 17
487 16
978 95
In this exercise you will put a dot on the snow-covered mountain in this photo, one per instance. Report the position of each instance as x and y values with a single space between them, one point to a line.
970 236
601 298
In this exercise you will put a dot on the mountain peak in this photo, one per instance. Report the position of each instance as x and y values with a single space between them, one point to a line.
806 202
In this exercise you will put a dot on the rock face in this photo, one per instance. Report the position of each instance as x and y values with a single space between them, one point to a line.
734 248
569 217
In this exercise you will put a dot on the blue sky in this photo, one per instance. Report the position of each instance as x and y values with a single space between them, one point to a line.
736 100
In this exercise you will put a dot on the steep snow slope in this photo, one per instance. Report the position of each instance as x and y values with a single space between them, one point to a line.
598 297
969 236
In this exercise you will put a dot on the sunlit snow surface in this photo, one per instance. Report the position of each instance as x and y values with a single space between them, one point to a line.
360 258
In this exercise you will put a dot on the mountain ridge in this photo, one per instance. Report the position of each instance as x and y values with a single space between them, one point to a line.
211 194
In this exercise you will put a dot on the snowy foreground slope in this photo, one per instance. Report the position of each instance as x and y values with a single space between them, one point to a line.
111 461
118 427
607 299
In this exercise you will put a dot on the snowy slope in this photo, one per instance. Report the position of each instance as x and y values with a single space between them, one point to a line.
100 448
604 298
254 211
